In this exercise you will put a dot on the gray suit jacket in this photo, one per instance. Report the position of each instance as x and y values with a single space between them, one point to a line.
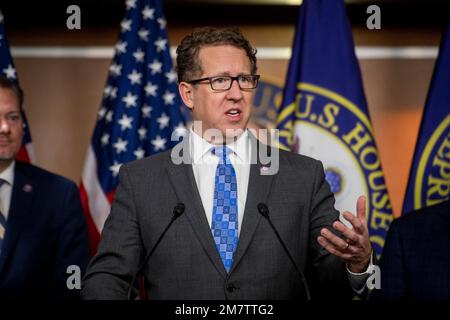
186 264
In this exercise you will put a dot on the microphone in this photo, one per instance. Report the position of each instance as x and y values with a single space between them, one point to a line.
264 211
178 210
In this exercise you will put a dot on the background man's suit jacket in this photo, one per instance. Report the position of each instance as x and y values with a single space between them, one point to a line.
45 233
416 257
186 264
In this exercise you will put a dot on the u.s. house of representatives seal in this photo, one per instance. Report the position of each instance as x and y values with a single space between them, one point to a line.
327 126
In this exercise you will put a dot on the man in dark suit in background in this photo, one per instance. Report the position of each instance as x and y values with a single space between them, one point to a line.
416 257
42 227
223 246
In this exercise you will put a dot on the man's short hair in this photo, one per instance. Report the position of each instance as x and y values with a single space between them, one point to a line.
6 83
188 65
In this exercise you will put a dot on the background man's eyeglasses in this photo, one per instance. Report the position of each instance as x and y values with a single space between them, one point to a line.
223 83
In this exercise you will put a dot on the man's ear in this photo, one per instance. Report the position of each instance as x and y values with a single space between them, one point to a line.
186 93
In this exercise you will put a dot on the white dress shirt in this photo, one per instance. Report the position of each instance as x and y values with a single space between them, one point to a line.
6 189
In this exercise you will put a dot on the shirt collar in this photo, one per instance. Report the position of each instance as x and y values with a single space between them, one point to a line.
199 146
8 174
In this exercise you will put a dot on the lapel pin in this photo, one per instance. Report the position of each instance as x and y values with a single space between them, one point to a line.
27 188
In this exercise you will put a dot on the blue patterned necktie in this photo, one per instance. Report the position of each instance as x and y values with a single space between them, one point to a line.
225 210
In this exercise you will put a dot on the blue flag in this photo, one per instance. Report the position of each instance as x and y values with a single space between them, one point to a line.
8 70
429 178
140 110
324 113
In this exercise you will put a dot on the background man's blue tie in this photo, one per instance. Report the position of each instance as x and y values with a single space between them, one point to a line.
225 210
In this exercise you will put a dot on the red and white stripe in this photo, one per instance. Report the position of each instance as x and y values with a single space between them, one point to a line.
96 203
26 153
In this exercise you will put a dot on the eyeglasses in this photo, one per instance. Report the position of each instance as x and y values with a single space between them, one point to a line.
224 83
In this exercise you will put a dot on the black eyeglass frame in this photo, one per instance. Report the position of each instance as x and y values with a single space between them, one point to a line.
210 79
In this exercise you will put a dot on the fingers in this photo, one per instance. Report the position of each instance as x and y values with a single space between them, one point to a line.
355 255
347 232
355 250
358 226
333 250
333 240
361 207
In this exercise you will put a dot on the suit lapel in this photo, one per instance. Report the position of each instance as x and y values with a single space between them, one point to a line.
20 209
258 190
183 181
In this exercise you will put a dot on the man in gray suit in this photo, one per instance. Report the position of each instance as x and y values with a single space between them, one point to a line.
238 233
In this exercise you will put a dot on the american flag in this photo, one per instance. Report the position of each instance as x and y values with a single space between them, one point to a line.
139 112
7 69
